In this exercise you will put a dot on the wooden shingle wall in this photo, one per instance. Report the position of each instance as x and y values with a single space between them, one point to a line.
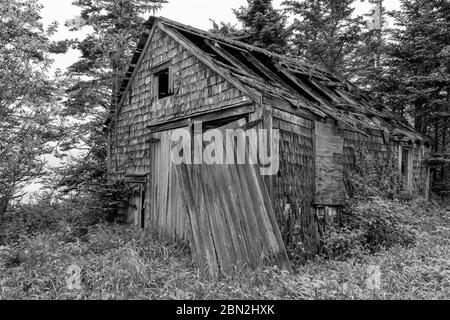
329 165
292 189
375 143
196 88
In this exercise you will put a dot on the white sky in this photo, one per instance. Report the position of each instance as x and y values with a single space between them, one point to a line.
196 13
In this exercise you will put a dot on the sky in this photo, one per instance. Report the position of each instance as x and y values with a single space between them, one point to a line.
196 13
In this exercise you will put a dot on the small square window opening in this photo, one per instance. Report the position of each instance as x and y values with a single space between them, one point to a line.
163 83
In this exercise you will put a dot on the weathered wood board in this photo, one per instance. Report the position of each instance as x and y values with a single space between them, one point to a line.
329 183
167 216
231 218
293 187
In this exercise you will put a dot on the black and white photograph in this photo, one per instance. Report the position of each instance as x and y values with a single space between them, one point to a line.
240 152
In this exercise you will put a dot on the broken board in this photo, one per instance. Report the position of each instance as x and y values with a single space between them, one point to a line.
231 218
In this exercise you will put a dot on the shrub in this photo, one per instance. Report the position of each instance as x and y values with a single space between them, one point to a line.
106 203
371 219
368 227
44 214
343 243
372 175
385 223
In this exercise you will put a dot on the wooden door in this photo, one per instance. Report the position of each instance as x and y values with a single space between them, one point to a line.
167 217
231 218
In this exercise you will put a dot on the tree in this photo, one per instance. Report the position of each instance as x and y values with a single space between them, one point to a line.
92 84
416 77
327 34
263 26
26 97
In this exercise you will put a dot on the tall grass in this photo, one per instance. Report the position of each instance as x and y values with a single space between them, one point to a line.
118 262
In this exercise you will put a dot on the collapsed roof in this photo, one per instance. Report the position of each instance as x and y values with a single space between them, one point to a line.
275 79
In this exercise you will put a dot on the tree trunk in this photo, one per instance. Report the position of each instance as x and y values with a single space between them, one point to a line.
4 201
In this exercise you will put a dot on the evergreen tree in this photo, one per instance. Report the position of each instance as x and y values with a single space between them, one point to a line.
27 96
416 77
92 84
327 34
262 26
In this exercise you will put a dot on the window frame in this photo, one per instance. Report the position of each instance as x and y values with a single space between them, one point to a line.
156 73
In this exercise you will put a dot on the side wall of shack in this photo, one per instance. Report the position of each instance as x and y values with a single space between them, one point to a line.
385 149
336 150
292 188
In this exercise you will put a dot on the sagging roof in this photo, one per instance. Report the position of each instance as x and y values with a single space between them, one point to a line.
274 79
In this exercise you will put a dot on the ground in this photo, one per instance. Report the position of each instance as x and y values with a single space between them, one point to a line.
119 262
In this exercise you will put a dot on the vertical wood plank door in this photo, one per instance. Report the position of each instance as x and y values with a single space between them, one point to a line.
167 218
230 216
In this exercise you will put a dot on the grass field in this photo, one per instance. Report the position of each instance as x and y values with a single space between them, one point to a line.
117 262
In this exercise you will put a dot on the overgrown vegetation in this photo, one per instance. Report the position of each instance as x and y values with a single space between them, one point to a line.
373 175
118 262
46 247
374 218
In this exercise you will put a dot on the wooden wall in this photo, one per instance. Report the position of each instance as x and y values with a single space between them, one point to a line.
196 89
376 143
166 217
329 180
292 189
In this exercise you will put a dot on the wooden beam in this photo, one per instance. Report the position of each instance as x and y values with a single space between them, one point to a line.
293 118
169 125
303 86
262 67
284 105
233 60
205 116
327 91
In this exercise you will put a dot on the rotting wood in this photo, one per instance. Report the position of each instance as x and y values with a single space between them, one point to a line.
233 60
232 204
226 112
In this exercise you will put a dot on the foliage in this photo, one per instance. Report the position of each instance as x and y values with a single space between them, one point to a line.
41 215
107 203
369 227
91 88
373 175
263 26
125 263
416 78
105 53
327 34
371 220
26 97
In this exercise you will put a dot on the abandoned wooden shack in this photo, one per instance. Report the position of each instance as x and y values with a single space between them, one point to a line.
179 76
